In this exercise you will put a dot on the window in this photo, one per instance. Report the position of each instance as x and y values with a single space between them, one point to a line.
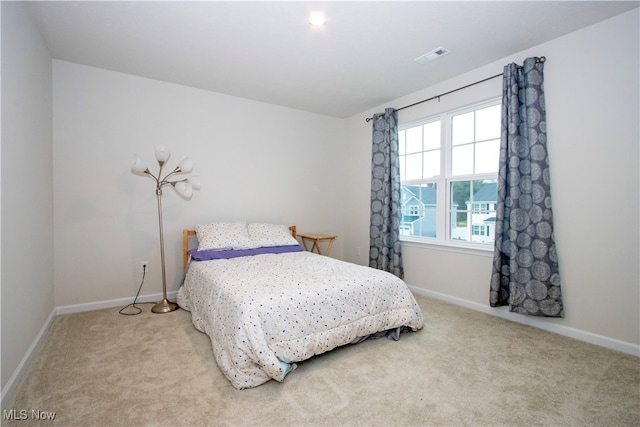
448 169
478 230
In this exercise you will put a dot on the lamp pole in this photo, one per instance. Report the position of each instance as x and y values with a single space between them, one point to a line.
165 305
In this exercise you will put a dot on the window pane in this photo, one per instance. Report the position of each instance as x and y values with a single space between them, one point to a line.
484 200
414 139
488 123
432 135
431 163
472 211
487 156
413 166
419 210
462 129
462 160
401 136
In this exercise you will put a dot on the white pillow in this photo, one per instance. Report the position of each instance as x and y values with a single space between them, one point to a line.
223 236
267 235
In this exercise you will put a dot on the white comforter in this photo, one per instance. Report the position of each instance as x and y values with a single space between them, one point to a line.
265 312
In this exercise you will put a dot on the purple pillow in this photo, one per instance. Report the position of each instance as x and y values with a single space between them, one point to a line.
209 254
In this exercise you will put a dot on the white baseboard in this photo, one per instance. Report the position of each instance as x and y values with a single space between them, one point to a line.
536 322
9 388
120 302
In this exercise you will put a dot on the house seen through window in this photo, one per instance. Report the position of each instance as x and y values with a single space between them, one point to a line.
448 167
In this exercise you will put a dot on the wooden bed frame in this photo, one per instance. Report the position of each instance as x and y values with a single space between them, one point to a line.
189 232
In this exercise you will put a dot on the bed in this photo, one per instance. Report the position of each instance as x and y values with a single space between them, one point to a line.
266 303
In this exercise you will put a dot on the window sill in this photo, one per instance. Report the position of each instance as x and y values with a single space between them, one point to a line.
461 248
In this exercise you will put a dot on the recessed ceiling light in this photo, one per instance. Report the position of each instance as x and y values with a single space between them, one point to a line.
317 19
430 56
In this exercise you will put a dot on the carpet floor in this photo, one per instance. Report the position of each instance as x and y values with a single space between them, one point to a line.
464 368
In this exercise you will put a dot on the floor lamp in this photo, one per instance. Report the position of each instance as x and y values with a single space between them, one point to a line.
183 187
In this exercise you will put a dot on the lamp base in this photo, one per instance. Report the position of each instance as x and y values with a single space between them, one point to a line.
164 306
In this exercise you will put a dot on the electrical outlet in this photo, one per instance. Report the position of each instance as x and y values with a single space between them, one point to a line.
144 266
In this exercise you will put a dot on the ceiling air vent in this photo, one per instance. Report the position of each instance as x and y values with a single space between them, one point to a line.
430 56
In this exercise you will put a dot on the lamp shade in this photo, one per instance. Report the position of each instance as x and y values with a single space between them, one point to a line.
162 153
184 189
186 165
194 181
138 166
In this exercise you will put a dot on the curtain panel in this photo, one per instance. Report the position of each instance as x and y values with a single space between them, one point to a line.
525 274
384 235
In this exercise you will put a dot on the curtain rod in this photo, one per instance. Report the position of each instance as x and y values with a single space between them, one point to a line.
539 59
368 119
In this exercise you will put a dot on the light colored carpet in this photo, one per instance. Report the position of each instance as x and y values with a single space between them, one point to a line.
463 369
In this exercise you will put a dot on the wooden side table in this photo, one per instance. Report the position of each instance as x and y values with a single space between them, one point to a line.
316 239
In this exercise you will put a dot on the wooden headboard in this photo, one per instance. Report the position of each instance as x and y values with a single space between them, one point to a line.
185 243
185 246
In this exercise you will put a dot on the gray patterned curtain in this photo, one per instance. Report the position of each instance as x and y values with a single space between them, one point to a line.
384 234
525 263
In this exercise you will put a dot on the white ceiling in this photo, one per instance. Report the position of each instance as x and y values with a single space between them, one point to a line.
266 51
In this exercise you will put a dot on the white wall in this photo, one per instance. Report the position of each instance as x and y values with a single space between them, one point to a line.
592 98
257 162
27 191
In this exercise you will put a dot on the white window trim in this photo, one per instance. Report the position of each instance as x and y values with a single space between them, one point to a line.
469 248
443 225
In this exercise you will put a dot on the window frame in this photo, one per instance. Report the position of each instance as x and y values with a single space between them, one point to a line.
443 182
